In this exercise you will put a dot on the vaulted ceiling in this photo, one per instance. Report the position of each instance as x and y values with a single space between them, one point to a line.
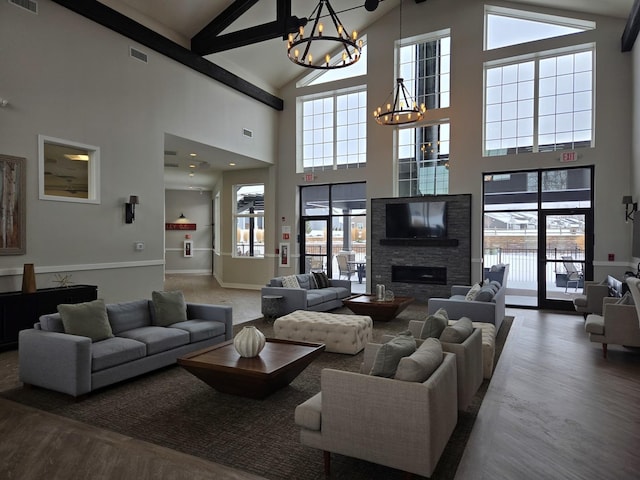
240 43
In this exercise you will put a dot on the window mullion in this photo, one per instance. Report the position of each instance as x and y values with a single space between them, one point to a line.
536 104
335 132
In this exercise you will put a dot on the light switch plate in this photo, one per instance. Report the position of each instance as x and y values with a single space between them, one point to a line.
139 246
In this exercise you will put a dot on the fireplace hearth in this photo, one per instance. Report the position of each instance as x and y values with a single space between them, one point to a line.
418 274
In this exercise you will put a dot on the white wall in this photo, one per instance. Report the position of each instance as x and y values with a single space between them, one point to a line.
611 154
196 207
68 77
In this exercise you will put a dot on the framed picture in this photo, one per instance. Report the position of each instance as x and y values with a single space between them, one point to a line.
284 255
13 212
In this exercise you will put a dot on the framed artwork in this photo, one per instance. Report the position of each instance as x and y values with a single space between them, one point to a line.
284 255
13 212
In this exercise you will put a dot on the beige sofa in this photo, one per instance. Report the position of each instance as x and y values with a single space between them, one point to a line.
403 425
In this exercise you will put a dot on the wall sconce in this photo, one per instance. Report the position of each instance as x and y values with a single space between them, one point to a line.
626 201
130 209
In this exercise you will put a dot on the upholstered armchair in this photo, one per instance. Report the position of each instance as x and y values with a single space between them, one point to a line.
401 424
618 324
591 299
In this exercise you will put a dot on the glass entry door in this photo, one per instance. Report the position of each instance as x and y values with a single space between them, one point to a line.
316 245
567 260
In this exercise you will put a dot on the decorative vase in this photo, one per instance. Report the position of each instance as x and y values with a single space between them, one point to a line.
249 342
28 278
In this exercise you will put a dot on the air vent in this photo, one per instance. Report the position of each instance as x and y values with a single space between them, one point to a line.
171 165
171 153
247 133
30 5
138 55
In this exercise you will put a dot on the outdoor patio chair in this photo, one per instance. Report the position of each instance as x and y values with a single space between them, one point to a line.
574 275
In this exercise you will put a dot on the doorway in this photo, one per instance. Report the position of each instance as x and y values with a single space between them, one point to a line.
540 222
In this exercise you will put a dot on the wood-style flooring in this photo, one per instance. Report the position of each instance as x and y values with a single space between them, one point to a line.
555 409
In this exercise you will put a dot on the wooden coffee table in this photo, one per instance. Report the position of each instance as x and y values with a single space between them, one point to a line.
277 365
380 311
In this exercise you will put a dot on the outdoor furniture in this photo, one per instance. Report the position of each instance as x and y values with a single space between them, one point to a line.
346 269
574 275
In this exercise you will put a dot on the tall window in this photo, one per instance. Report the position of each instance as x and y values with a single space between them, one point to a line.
249 220
334 131
423 152
539 104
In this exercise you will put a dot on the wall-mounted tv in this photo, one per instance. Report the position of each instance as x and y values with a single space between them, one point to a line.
422 219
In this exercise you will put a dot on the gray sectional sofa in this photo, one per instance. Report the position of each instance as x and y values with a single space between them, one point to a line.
308 296
76 365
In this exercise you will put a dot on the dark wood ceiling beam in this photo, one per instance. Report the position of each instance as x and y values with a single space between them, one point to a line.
117 22
632 28
208 40
222 21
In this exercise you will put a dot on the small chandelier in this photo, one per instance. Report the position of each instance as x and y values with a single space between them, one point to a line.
402 110
305 51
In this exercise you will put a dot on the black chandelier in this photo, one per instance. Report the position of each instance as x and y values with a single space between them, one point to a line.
313 51
402 110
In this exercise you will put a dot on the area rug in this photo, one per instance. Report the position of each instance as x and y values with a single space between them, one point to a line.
172 408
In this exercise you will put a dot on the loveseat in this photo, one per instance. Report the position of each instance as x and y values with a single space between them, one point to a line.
486 306
309 294
139 337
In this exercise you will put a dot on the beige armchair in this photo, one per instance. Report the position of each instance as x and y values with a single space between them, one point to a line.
468 362
618 324
403 425
591 299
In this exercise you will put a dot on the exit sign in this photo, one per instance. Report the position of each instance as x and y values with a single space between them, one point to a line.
568 157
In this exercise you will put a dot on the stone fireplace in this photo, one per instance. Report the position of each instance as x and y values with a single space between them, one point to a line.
422 268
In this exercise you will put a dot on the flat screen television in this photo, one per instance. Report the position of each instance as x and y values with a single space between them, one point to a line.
417 220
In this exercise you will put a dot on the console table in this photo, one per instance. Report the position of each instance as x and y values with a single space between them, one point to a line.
21 310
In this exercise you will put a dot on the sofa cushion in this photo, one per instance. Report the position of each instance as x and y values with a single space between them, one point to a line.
626 299
321 279
51 322
290 281
594 324
473 291
115 351
419 366
200 329
276 282
169 308
158 339
318 296
458 332
485 294
339 292
390 353
303 281
127 315
88 319
434 324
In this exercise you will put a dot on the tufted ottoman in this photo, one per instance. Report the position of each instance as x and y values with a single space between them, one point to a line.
488 346
340 333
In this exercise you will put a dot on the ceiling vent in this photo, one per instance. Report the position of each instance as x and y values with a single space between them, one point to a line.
30 5
247 133
171 165
171 153
138 55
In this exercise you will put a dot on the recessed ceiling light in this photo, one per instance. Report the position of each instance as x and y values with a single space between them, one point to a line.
193 154
192 165
191 174
84 158
232 164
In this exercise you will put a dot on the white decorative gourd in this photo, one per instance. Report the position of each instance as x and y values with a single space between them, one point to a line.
249 342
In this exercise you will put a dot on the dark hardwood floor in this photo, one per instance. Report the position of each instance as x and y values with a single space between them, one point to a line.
555 409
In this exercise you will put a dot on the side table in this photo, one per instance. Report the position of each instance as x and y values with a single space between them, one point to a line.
271 306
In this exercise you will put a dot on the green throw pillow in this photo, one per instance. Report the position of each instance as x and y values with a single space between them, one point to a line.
458 332
435 324
87 319
419 366
390 353
170 308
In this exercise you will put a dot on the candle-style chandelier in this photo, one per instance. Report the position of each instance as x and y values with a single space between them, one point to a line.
400 106
314 50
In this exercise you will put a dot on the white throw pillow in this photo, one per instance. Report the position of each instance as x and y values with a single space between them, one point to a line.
471 294
290 281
